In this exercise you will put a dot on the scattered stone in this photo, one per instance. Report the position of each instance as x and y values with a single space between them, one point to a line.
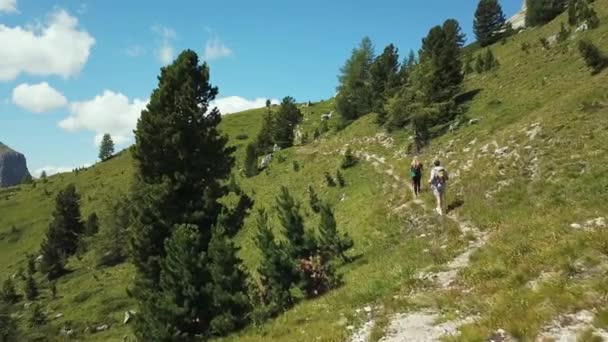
582 28
567 327
421 326
500 335
343 197
102 327
474 121
65 331
367 309
128 316
363 334
501 152
39 258
265 161
59 315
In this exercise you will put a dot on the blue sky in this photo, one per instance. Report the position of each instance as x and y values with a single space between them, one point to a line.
71 70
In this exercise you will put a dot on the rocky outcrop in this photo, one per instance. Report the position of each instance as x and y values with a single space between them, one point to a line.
518 21
13 167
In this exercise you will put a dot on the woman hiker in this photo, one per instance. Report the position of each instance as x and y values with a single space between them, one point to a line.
439 183
416 174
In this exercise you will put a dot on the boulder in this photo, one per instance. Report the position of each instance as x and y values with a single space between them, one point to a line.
582 28
13 167
128 316
265 161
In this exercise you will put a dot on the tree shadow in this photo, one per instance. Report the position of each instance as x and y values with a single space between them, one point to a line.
455 204
467 97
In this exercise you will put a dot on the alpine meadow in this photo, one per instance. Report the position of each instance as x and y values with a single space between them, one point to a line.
296 220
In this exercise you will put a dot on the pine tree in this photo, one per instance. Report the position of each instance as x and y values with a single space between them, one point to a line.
106 148
183 306
64 232
9 331
489 21
441 52
182 163
354 95
37 317
384 79
349 159
230 302
579 11
540 12
287 118
563 34
265 139
313 199
111 247
340 179
251 160
331 242
8 294
490 62
594 58
43 176
30 289
276 272
301 243
91 227
31 264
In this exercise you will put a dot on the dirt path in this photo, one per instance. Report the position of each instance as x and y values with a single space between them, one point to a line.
418 325
421 325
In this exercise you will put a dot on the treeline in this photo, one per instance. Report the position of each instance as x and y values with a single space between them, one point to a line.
419 93
189 281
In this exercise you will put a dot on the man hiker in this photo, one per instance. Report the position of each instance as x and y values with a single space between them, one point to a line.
439 182
416 174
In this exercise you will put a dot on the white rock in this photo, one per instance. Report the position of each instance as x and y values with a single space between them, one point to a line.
367 309
576 226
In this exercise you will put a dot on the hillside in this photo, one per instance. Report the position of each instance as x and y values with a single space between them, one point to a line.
523 252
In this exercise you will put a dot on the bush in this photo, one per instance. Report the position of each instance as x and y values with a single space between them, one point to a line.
242 137
37 317
563 34
349 159
313 199
525 47
296 166
340 179
8 294
544 43
9 330
593 56
31 289
329 180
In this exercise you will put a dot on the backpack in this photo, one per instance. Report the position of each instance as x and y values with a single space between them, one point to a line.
440 177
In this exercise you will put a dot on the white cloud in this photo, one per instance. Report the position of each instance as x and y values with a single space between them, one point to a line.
38 98
165 51
234 104
8 6
135 51
53 170
109 112
57 47
216 49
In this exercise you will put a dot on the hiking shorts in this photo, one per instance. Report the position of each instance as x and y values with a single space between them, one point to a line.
439 190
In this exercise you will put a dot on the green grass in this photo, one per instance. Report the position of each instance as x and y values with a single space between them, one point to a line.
528 220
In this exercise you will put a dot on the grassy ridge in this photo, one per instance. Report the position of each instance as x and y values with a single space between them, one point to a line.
550 180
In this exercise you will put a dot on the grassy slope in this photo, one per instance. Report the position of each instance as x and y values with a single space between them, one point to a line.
529 219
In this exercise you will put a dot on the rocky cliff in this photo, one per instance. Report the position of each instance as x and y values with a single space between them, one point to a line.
13 166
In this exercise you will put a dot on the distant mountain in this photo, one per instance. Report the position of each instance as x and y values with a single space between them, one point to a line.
13 166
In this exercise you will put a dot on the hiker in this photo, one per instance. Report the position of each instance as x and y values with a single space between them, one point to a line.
438 181
416 174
